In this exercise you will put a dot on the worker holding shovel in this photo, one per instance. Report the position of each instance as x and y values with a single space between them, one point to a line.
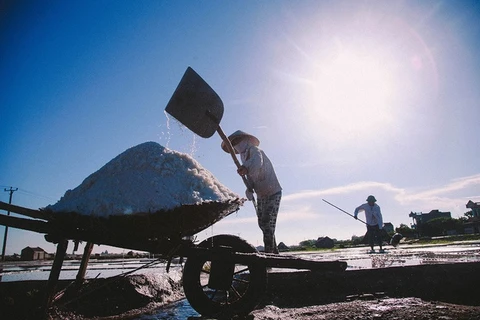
374 219
197 106
263 181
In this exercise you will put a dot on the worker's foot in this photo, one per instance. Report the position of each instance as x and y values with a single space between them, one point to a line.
381 251
371 251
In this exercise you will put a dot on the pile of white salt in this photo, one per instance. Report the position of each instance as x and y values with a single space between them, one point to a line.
145 178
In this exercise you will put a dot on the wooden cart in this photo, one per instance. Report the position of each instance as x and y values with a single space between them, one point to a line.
223 275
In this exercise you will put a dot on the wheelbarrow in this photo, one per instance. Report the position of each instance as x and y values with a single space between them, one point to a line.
223 275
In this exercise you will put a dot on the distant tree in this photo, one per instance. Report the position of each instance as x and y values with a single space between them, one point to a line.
468 214
356 240
307 243
405 231
440 226
463 219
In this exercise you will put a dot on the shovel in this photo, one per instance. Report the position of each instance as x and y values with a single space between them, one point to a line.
199 108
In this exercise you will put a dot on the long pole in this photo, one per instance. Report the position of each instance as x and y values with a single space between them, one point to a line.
343 211
11 190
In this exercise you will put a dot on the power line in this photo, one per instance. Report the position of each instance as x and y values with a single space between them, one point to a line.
30 193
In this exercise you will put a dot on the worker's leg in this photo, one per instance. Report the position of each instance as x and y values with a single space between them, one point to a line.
263 221
267 211
379 238
371 237
375 236
274 207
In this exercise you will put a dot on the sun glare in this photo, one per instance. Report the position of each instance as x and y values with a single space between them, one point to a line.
351 92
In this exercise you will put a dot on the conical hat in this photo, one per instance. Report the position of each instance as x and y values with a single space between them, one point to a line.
243 135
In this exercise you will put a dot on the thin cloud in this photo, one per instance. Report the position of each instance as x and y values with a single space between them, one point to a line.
304 205
440 197
300 213
455 185
364 185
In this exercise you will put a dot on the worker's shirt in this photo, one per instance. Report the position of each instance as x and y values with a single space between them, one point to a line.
373 215
260 172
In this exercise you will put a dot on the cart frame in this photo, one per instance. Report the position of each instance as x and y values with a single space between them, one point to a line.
223 275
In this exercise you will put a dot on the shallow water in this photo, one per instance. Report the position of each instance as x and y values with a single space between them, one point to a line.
404 255
357 258
40 270
179 310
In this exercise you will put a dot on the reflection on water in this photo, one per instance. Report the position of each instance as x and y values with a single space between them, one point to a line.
357 258
40 270
178 310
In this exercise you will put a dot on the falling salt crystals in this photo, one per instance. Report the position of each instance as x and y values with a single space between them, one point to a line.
144 178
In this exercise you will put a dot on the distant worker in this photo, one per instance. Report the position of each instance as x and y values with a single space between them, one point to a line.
373 215
261 175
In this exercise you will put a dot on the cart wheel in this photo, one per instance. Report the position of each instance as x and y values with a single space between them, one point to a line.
204 280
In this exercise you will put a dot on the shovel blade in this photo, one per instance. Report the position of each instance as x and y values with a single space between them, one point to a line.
196 105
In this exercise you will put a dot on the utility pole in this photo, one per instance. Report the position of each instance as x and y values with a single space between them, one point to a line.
11 190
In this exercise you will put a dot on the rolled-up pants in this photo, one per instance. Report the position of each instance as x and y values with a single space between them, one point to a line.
267 212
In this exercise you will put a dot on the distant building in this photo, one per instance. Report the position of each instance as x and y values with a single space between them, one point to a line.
388 226
260 248
29 253
473 224
282 247
420 217
325 243
475 207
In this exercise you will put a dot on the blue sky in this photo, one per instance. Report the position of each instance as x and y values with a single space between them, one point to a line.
348 98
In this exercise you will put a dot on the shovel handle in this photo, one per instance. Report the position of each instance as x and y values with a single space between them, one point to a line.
225 139
229 146
232 153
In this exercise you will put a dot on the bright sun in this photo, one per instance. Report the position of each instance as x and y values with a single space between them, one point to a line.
350 95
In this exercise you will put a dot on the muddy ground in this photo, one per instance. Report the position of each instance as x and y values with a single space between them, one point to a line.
449 291
421 292
111 298
377 309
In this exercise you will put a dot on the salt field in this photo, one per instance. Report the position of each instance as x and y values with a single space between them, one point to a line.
403 255
356 258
